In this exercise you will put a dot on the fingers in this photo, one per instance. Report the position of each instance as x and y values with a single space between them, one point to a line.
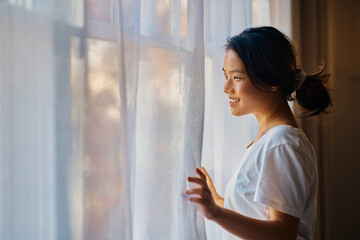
198 200
201 174
201 191
204 171
208 178
204 196
198 181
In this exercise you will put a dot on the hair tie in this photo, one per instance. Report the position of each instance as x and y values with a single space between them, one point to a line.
300 78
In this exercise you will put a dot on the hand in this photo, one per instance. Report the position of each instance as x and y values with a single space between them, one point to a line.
205 199
218 199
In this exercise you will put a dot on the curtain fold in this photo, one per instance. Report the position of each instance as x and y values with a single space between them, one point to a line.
129 15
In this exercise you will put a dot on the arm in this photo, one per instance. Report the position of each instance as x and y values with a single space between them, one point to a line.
280 225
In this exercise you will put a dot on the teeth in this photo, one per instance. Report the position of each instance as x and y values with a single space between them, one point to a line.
234 100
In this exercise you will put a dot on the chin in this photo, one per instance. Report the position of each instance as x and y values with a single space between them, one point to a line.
237 113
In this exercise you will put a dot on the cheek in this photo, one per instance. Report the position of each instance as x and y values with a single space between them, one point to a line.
247 91
251 97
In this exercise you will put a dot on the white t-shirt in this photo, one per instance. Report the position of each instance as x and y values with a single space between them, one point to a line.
279 170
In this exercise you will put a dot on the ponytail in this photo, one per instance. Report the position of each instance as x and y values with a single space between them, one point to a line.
312 95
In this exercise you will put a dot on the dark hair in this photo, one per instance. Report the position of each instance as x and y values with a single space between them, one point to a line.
269 59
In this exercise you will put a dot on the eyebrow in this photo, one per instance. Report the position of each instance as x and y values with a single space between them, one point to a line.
235 70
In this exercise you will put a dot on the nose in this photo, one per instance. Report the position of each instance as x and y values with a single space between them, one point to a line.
228 87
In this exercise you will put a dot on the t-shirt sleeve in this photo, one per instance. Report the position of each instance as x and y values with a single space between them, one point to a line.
284 180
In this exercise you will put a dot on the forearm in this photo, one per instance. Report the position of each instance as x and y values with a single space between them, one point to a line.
250 228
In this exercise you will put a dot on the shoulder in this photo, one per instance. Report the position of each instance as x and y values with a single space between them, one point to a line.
287 137
282 135
288 145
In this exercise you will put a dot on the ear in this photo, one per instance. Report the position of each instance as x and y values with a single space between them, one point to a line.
274 88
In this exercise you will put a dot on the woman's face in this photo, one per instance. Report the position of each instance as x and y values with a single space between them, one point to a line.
244 97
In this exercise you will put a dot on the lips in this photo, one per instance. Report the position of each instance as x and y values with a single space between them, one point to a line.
233 103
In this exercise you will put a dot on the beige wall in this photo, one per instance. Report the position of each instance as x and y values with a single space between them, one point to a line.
344 56
330 30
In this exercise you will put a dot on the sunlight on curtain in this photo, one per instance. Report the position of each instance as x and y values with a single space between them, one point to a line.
168 122
76 182
106 106
101 166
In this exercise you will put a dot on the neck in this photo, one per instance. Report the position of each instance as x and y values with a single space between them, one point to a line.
277 114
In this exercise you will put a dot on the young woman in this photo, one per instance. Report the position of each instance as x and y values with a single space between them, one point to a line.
273 193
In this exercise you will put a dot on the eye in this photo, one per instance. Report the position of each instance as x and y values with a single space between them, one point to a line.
226 77
235 77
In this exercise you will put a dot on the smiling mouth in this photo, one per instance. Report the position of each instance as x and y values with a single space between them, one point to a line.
234 100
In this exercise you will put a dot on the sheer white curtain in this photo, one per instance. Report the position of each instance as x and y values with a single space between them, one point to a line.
36 131
106 106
